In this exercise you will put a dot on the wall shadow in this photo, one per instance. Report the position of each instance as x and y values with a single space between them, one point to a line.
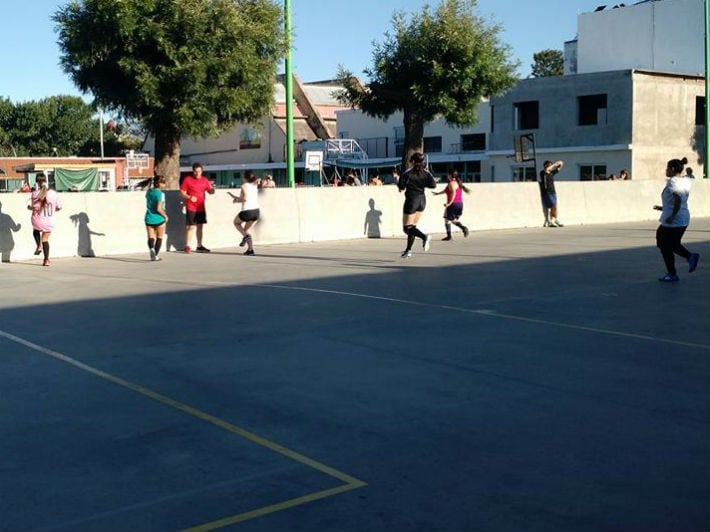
7 241
373 221
175 229
84 245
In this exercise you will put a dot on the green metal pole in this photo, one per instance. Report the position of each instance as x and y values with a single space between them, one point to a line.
289 97
707 88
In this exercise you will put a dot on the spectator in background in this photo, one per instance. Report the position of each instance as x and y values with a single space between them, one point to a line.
352 180
689 173
548 194
193 190
624 175
375 180
268 182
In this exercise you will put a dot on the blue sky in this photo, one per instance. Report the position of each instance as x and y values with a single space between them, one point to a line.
326 33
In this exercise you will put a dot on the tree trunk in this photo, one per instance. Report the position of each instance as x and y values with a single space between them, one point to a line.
167 155
413 136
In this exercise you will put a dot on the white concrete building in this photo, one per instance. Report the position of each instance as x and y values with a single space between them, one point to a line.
663 35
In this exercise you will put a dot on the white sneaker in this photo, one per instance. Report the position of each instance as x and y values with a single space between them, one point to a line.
426 243
406 254
153 255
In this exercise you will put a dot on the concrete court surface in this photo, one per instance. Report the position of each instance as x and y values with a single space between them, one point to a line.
517 380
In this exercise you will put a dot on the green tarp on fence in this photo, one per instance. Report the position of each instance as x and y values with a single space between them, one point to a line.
78 180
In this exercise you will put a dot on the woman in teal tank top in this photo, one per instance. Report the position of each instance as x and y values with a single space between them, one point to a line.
155 216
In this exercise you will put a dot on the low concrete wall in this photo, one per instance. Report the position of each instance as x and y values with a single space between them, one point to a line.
110 223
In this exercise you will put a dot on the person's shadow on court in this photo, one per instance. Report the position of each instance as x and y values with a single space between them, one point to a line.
373 221
175 229
7 241
84 246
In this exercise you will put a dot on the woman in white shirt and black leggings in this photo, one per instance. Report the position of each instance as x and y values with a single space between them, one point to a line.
675 218
250 210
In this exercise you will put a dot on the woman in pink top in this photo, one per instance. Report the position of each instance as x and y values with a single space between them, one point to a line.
44 203
454 204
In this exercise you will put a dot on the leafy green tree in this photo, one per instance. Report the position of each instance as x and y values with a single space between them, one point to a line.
547 63
184 68
436 63
58 125
7 149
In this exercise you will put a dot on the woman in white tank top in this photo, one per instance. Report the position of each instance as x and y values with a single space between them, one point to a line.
249 198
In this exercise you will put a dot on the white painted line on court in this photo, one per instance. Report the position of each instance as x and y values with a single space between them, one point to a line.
350 482
493 314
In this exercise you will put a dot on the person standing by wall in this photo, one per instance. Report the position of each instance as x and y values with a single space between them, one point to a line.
548 195
675 218
44 202
453 208
155 216
414 181
193 189
249 214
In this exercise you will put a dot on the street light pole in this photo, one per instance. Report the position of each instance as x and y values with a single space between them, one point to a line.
289 96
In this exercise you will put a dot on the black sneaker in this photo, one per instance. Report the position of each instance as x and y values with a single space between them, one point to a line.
693 262
465 231
202 249
447 237
249 252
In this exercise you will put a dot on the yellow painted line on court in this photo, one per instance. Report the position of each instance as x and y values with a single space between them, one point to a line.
350 482
494 314
274 508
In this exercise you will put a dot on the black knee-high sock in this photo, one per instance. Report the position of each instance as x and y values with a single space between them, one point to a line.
37 236
447 225
45 249
416 232
158 244
459 225
410 236
151 243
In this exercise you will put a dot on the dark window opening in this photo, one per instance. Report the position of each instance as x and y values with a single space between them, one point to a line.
527 115
473 142
432 144
592 109
592 172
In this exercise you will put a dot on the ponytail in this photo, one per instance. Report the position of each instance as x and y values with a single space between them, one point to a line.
677 165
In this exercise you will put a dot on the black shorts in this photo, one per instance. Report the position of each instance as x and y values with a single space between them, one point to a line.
414 204
195 217
454 211
250 215
155 226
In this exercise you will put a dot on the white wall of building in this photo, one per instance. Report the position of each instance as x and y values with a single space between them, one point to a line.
664 35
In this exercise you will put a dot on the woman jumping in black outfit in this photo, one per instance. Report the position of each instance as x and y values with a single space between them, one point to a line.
413 182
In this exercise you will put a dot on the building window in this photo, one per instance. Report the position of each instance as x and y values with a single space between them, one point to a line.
473 142
527 115
700 110
591 109
432 144
592 172
493 118
399 141
524 173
